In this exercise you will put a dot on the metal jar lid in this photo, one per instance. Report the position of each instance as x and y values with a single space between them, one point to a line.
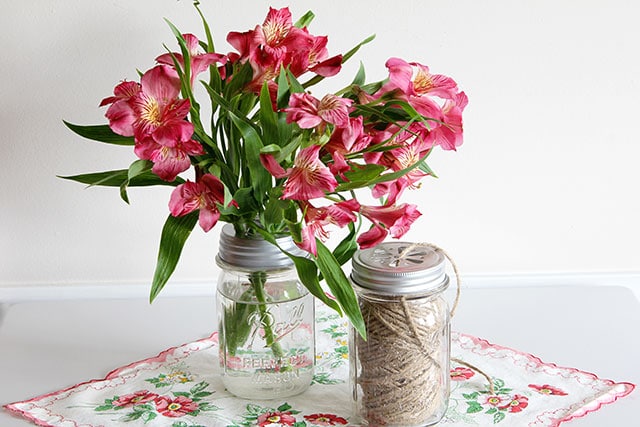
400 268
254 253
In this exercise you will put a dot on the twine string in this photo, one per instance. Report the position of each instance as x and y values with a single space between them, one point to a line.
400 376
454 306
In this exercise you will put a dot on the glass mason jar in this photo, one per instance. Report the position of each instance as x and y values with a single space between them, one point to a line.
265 319
400 374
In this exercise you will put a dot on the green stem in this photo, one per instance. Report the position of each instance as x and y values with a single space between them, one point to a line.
258 280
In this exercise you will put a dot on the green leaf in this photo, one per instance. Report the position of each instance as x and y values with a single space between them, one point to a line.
175 232
237 326
284 407
260 177
347 247
307 273
359 79
353 51
474 407
498 416
282 97
182 393
202 394
340 287
305 20
149 416
199 387
273 212
294 84
136 168
100 133
361 177
268 117
116 178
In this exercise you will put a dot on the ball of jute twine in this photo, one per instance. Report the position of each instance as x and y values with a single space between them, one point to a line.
401 377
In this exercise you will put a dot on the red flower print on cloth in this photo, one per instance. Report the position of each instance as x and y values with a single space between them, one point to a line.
461 374
279 418
325 420
137 398
494 400
517 403
547 389
175 407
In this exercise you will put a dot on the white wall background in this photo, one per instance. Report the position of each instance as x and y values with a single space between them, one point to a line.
546 181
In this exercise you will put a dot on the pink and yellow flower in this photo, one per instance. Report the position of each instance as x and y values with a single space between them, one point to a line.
155 115
168 161
461 374
308 179
199 62
204 195
137 398
316 219
174 408
548 390
493 400
120 112
414 79
159 112
276 418
516 404
309 112
391 219
325 420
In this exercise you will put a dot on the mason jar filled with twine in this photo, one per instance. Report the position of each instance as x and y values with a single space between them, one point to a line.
400 373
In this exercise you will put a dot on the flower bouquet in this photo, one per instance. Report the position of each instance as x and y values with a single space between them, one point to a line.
271 158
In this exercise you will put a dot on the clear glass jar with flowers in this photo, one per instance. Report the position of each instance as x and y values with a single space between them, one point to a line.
272 159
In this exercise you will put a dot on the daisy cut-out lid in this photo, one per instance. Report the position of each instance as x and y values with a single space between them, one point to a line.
401 268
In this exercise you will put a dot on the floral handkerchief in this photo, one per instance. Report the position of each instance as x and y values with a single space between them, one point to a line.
181 388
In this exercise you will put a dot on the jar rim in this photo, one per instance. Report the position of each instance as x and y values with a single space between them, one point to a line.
255 253
400 268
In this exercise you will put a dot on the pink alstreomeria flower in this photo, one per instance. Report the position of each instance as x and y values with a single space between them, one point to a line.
155 115
159 111
199 61
308 179
418 86
168 161
317 218
448 135
414 79
309 112
175 408
392 219
277 42
412 148
120 112
204 195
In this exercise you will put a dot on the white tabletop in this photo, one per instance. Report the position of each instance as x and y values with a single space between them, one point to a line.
47 346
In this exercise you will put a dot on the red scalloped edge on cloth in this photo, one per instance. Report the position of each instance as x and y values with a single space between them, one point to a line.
601 400
161 357
594 405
